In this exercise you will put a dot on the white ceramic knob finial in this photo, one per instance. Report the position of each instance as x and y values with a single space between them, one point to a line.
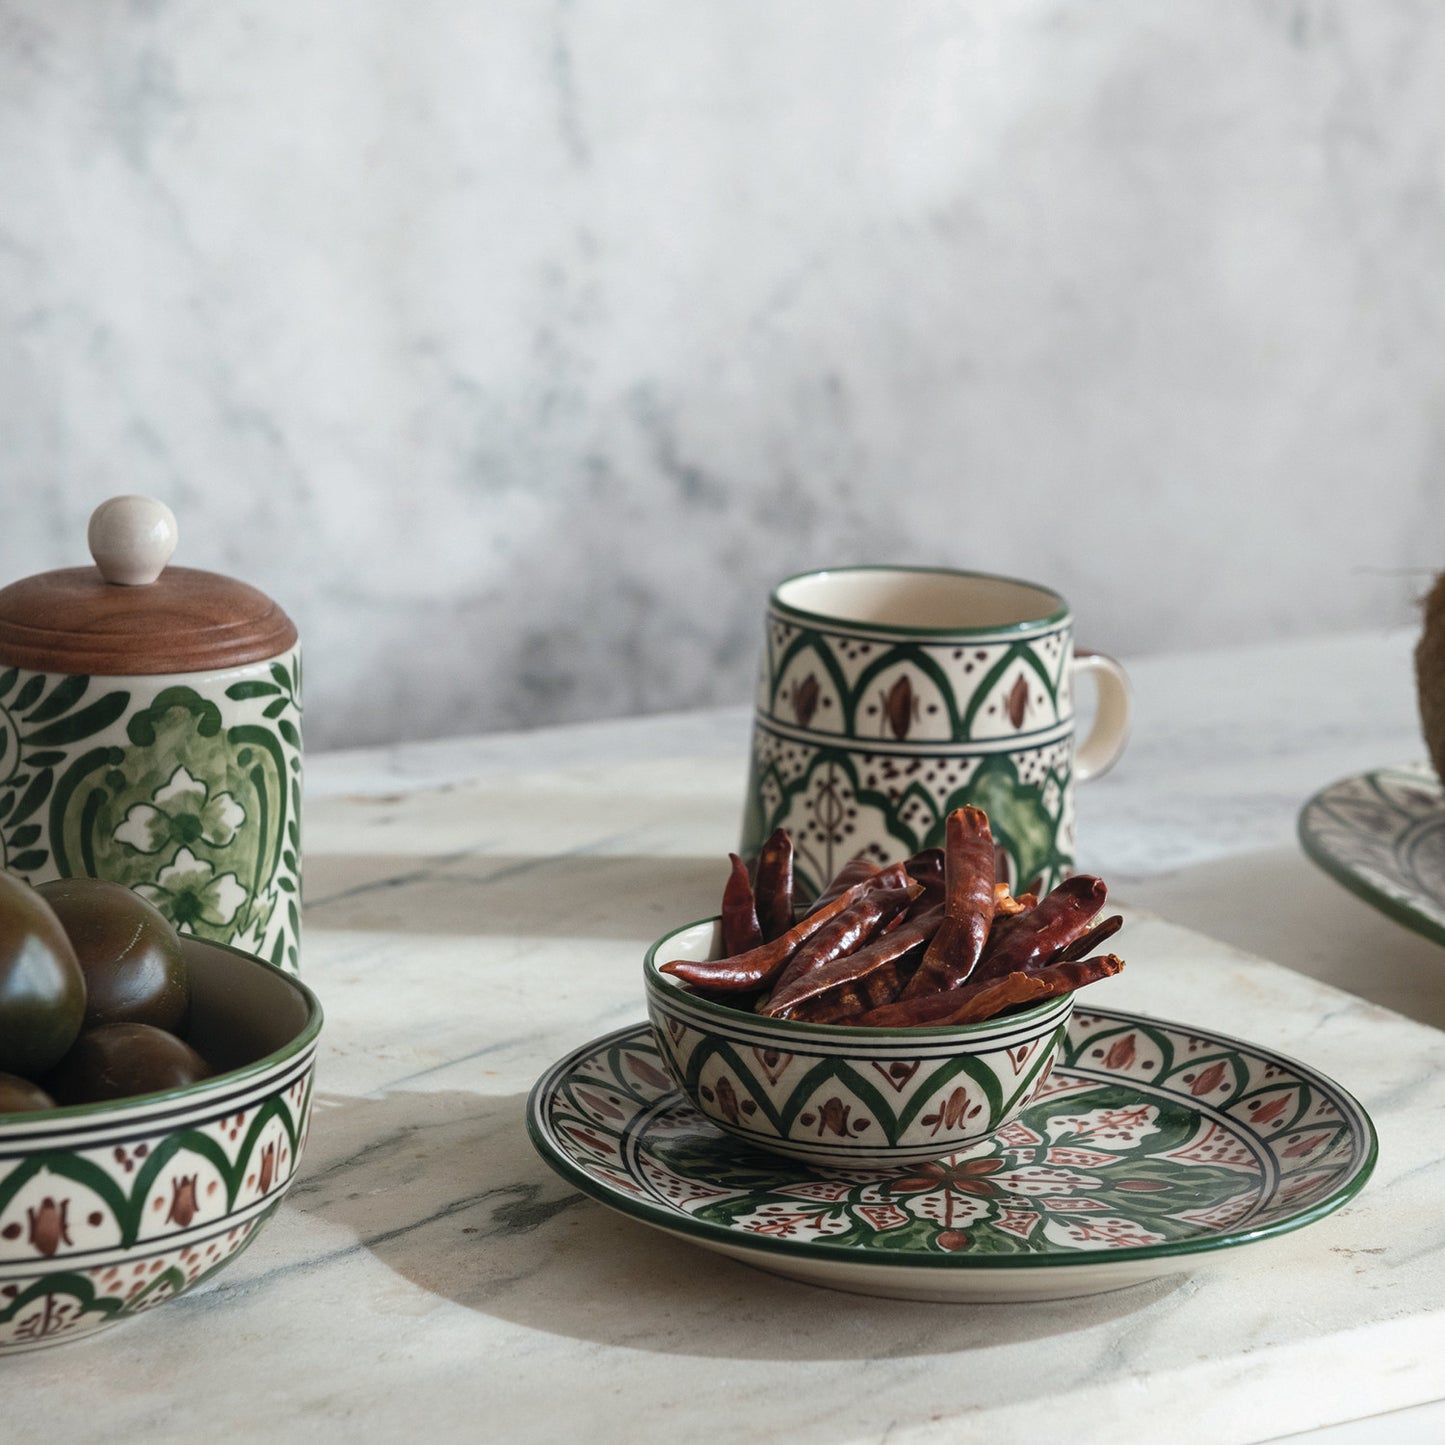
131 539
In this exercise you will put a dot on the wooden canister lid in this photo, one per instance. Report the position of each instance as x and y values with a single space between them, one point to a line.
130 614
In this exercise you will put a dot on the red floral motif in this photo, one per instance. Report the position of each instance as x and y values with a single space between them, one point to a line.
954 1112
727 1098
588 1140
1018 1135
1121 1054
647 1073
1123 1124
1263 1113
898 1073
1021 1222
268 1165
884 1216
183 1200
969 1177
1018 701
833 1118
1304 1147
1072 1158
599 1105
804 698
1020 1055
773 1062
900 707
783 1226
49 1226
1208 1081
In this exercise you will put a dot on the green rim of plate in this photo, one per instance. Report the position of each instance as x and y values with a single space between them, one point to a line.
679 1223
1401 911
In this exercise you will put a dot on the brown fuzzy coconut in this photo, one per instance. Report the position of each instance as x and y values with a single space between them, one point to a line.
1430 674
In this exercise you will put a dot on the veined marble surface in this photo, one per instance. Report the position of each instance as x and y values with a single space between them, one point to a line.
476 909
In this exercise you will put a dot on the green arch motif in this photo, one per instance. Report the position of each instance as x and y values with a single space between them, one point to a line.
842 1076
1019 652
78 1286
77 1170
976 1071
911 655
74 1285
828 865
191 1142
810 642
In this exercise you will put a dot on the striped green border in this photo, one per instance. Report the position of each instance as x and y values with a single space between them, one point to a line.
738 1242
848 625
149 1109
1344 874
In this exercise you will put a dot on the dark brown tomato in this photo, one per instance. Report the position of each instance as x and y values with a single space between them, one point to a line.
116 1061
130 955
20 1096
42 990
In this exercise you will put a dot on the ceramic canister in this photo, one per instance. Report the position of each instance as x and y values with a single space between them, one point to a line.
150 734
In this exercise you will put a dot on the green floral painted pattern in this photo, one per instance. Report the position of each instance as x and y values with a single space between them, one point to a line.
837 802
863 746
1145 1138
190 798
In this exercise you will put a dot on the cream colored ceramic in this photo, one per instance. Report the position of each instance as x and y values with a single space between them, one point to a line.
888 696
150 734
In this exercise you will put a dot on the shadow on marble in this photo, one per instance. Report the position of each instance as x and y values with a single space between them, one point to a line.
1288 911
482 895
447 1192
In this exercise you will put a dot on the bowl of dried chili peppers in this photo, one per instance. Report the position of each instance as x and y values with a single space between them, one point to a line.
906 1012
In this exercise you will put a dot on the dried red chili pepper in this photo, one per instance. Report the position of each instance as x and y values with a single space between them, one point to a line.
926 866
1005 905
759 966
892 947
1087 943
1026 940
842 953
856 870
773 885
968 907
853 927
740 928
1047 982
983 999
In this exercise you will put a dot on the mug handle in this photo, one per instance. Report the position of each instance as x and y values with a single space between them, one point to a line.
1098 752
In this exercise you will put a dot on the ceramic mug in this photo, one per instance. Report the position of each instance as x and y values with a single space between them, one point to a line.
888 696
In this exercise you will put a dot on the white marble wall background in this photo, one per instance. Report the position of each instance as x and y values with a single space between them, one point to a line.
517 348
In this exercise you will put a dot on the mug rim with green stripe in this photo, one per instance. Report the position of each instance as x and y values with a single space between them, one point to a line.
955 591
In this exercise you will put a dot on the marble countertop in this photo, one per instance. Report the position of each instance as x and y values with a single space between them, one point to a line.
478 907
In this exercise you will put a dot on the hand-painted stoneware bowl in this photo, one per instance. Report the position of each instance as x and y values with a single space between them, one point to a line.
840 1096
110 1209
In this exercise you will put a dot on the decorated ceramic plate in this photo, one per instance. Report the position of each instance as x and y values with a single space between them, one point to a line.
1148 1144
1382 835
